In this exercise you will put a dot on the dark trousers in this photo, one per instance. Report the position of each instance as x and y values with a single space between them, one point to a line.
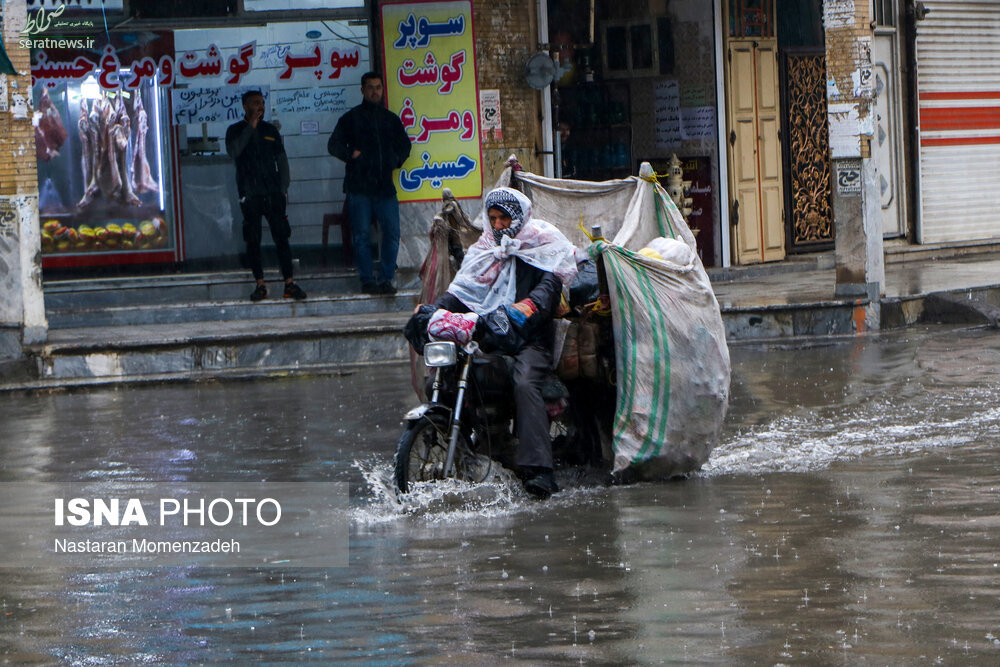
532 367
271 207
361 208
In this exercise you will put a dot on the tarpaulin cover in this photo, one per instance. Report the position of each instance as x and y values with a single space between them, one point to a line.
672 360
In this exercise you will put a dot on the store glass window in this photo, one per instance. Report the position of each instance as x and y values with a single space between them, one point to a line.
751 18
309 73
104 154
885 13
637 83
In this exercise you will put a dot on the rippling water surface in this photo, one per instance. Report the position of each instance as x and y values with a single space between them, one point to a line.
851 515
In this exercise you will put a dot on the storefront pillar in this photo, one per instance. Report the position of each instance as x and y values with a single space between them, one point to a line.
22 308
860 264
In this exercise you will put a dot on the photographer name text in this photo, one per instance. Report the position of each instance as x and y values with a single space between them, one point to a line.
66 546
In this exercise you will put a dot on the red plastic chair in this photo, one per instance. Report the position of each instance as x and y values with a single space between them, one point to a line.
341 219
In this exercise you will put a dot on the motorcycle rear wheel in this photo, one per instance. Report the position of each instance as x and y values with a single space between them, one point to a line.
422 452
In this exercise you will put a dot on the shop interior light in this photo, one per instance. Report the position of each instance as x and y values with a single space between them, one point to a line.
89 89
159 148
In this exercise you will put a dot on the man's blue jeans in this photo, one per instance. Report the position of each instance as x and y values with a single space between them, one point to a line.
386 210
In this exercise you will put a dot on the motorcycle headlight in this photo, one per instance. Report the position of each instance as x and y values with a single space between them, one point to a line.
440 354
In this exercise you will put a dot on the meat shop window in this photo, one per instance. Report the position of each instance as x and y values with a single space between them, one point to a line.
178 9
103 170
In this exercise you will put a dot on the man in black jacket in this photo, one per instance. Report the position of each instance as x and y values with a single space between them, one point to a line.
371 140
262 179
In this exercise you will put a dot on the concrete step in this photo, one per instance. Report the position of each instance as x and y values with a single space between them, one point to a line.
185 288
826 318
227 311
161 352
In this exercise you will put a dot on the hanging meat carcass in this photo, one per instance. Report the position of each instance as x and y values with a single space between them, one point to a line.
50 133
144 181
105 136
92 127
122 131
109 180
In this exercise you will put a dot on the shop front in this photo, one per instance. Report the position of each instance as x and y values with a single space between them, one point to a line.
638 83
132 168
958 129
734 88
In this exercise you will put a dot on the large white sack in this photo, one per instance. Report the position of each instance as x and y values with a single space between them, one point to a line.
672 363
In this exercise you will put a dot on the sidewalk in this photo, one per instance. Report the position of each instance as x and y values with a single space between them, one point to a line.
814 282
192 327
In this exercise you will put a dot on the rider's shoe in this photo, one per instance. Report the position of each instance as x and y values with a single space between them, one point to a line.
541 483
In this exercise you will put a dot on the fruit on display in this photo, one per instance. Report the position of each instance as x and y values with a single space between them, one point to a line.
114 236
138 235
53 227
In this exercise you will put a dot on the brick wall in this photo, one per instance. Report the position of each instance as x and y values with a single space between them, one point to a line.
848 47
506 35
848 65
18 174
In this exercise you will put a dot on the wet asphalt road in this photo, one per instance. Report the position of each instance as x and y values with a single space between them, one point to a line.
848 517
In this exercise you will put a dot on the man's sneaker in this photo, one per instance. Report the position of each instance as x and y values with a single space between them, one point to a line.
370 288
259 294
386 288
542 483
293 291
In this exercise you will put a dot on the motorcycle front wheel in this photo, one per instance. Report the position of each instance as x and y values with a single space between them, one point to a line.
422 452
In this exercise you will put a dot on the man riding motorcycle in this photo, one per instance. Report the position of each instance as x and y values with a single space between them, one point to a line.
513 279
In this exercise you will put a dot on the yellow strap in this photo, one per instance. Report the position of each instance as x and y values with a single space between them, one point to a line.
599 307
654 177
585 232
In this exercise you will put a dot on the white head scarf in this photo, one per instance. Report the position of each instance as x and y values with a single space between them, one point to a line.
486 280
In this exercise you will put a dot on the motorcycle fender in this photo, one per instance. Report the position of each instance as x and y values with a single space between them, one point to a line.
423 409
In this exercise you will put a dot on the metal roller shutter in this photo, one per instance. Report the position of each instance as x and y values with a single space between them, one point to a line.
958 89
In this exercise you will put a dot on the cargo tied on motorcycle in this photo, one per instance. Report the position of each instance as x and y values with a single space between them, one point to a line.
640 380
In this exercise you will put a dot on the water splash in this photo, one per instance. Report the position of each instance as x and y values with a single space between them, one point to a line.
443 500
498 494
816 441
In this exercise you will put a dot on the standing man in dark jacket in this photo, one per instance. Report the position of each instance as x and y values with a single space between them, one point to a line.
372 141
262 179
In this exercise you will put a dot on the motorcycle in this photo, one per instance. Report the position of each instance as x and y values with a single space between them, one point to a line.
465 430
643 399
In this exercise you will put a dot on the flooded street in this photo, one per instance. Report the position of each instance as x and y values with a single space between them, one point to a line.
851 515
